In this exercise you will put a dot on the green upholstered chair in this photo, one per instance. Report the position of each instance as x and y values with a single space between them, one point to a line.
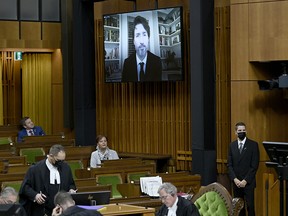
135 176
215 200
112 179
6 140
31 153
75 164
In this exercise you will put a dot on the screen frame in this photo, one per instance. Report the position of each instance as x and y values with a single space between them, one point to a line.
172 57
101 197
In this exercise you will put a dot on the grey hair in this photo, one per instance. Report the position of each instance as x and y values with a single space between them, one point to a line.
7 191
169 188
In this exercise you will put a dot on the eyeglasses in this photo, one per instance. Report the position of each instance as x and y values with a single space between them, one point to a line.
164 197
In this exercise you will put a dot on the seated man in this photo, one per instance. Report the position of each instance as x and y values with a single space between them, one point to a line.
174 205
8 196
65 205
29 129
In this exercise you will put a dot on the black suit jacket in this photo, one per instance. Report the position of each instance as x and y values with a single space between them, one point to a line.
37 179
244 165
184 208
153 69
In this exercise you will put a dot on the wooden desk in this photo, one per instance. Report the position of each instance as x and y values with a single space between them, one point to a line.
123 209
161 160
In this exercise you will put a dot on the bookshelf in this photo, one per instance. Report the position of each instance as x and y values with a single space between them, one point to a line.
112 46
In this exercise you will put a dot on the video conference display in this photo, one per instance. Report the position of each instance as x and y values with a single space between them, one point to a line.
143 46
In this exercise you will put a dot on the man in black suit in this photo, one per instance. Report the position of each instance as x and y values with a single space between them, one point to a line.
142 65
173 204
243 161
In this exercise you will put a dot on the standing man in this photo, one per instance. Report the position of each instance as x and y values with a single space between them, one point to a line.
29 129
43 180
243 161
142 65
174 205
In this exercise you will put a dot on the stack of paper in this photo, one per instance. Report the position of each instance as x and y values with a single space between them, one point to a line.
150 185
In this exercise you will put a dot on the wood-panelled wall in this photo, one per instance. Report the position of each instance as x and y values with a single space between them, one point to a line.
259 33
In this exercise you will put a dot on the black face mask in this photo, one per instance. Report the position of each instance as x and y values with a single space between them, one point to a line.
58 163
241 135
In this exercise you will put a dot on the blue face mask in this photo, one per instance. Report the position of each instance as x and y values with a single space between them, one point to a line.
241 135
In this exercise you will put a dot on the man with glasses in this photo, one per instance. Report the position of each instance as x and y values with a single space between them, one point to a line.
43 180
174 205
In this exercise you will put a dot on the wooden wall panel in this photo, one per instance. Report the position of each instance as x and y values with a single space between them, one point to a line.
30 31
268 31
223 89
265 112
9 29
239 42
51 31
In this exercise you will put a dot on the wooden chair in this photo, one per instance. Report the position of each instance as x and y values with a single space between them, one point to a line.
214 199
112 179
31 153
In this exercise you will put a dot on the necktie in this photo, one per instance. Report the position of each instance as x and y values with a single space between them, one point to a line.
241 148
31 133
141 71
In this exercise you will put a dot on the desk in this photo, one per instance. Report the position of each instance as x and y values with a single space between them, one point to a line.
161 160
123 209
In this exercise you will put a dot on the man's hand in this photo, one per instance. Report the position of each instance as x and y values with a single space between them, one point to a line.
40 198
57 211
243 183
237 182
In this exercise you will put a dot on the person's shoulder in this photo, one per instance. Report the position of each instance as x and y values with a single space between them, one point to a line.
152 55
131 57
251 141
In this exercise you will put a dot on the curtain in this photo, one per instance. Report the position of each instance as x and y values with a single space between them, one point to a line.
1 92
36 84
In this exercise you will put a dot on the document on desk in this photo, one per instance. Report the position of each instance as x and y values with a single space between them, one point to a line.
150 185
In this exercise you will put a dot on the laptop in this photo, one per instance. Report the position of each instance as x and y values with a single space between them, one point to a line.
91 198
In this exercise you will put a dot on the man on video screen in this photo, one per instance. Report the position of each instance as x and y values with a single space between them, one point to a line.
142 65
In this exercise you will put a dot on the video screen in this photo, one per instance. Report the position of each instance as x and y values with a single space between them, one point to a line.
143 46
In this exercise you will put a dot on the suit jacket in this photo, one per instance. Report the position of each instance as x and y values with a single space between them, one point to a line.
244 165
37 179
37 130
184 208
153 70
77 211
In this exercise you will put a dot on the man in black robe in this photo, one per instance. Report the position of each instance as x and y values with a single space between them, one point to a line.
43 180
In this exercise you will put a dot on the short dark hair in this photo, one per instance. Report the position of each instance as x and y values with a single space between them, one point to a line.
144 22
55 149
63 197
99 137
239 124
23 120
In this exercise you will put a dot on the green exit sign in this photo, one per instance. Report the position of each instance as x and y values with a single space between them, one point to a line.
17 56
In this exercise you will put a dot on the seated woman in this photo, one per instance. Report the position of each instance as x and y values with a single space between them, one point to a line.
102 152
